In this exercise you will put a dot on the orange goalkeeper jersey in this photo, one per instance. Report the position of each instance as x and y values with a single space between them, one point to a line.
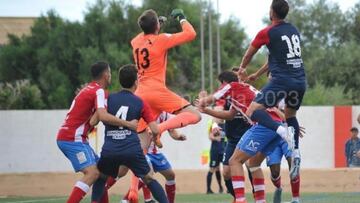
150 53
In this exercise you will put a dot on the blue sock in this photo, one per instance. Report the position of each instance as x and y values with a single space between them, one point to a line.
295 124
229 187
98 190
157 191
264 119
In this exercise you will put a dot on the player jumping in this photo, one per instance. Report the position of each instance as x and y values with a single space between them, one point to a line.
150 54
72 137
286 66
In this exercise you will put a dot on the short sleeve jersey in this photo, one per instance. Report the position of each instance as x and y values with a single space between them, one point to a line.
76 125
284 45
127 106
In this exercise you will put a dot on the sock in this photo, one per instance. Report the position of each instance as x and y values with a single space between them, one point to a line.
79 191
157 191
146 193
105 197
276 181
295 187
264 119
293 122
259 187
229 187
133 193
170 188
251 180
239 187
140 184
208 181
98 190
218 178
110 182
179 121
126 196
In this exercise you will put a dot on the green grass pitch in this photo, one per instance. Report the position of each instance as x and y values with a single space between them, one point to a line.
201 198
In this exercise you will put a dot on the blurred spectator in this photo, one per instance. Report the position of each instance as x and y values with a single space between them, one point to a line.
352 149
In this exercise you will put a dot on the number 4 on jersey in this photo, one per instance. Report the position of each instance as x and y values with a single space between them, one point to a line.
293 45
122 113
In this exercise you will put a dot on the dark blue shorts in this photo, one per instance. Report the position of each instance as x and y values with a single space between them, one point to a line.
229 150
133 159
216 157
275 90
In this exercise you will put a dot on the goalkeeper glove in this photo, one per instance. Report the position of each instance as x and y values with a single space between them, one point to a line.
178 14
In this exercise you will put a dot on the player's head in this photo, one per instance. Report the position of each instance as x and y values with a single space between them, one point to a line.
354 131
100 71
128 77
227 77
242 76
279 9
149 22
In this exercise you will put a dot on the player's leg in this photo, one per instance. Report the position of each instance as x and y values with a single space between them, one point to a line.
138 164
270 95
258 177
212 168
83 159
218 172
229 150
294 182
273 161
237 174
186 114
170 185
109 168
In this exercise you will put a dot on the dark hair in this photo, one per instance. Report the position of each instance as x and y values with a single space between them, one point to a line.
98 68
354 129
227 76
148 21
127 75
235 69
280 8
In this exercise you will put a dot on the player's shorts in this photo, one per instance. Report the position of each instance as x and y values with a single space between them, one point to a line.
160 99
216 158
259 139
275 90
280 151
158 162
81 155
229 150
133 159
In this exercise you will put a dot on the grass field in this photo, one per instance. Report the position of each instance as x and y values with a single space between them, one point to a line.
200 198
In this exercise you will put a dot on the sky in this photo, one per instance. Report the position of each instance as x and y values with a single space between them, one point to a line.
250 16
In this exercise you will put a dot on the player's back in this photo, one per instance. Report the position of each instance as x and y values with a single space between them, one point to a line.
76 125
127 106
285 52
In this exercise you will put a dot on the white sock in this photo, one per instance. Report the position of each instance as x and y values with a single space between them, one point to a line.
295 199
296 153
83 186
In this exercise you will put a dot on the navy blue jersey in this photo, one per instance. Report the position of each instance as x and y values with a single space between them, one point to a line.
235 128
284 45
219 146
126 106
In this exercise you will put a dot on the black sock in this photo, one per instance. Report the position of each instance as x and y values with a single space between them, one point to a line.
157 191
218 178
208 181
264 119
98 190
229 187
293 122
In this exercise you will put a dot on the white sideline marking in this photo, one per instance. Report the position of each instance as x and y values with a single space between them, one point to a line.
39 200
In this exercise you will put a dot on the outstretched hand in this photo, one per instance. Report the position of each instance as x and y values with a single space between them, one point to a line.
178 14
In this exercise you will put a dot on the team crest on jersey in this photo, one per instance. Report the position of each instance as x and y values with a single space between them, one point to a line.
253 146
81 157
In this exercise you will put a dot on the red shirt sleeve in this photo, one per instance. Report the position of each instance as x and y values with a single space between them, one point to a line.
147 114
262 38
